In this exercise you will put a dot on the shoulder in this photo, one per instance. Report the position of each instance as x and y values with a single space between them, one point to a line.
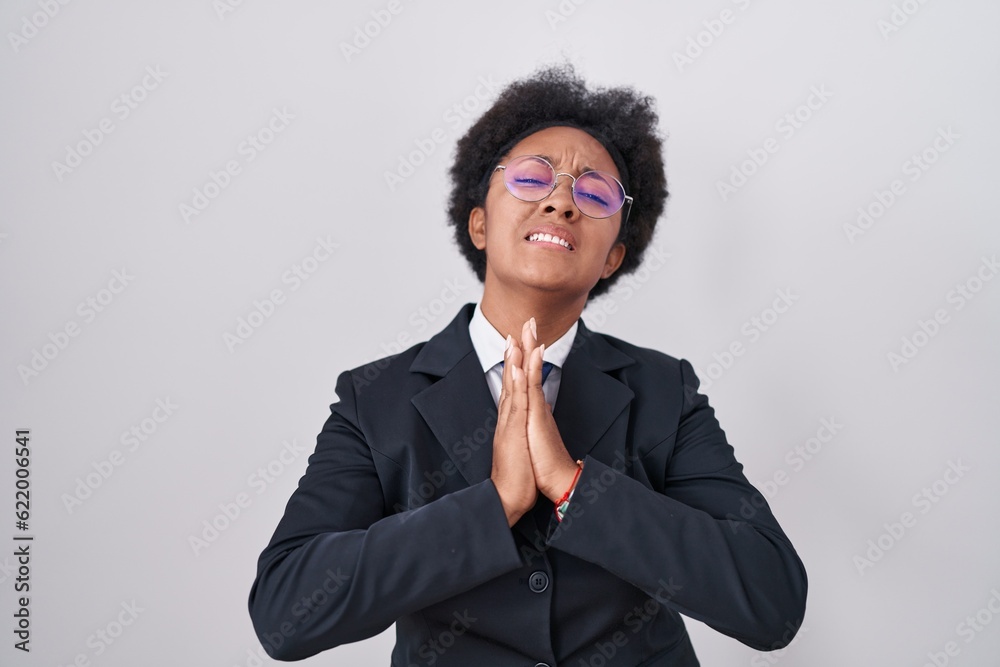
643 356
389 374
651 367
413 369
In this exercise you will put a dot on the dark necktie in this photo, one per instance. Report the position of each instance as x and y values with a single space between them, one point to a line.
546 367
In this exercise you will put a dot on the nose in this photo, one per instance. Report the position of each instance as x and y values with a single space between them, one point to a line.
560 200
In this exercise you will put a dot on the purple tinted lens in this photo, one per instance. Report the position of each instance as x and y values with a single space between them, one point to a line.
598 195
529 178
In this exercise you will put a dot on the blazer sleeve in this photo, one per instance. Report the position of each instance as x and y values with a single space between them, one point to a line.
340 568
707 546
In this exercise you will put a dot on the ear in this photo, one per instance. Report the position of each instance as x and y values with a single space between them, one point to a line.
615 257
477 227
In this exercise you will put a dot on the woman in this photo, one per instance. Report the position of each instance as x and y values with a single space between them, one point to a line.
520 490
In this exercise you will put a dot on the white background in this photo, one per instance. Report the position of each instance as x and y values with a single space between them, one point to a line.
63 234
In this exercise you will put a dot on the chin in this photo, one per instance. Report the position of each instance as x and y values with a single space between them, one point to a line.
556 285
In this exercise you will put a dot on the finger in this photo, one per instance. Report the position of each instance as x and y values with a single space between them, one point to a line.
512 363
516 355
534 373
518 416
510 345
529 335
506 384
528 340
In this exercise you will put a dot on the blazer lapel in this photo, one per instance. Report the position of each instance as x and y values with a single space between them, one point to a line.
459 407
590 399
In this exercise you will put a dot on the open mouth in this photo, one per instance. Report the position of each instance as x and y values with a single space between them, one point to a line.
549 238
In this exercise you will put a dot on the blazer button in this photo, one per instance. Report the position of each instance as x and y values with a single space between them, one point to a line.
542 664
538 582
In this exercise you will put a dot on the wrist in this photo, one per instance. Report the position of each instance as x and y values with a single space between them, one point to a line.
558 482
567 481
512 513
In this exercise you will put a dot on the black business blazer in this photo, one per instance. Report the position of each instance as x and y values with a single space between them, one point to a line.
397 520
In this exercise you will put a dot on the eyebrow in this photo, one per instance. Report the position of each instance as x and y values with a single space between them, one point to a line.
583 170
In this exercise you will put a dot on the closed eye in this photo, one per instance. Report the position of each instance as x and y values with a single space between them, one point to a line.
594 198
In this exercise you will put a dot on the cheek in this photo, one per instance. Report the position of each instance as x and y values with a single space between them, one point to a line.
602 241
498 233
503 219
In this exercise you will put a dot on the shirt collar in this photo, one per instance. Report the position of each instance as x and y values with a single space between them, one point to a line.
490 343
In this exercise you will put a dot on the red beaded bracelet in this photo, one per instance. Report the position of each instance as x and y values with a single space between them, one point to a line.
563 502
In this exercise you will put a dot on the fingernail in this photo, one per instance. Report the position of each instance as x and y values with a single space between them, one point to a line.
534 329
541 355
506 348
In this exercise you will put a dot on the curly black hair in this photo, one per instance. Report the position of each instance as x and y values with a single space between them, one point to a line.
623 120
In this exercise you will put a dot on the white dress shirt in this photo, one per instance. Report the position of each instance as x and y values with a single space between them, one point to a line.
490 343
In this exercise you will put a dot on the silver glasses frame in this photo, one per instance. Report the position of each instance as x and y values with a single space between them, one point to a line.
555 182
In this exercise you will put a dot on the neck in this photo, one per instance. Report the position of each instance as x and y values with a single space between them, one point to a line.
508 311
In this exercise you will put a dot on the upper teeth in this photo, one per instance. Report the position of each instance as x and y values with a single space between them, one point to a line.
551 239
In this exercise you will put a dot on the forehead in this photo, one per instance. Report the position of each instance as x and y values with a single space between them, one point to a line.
566 148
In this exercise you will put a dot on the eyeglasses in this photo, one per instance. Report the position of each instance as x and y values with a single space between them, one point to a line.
596 193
